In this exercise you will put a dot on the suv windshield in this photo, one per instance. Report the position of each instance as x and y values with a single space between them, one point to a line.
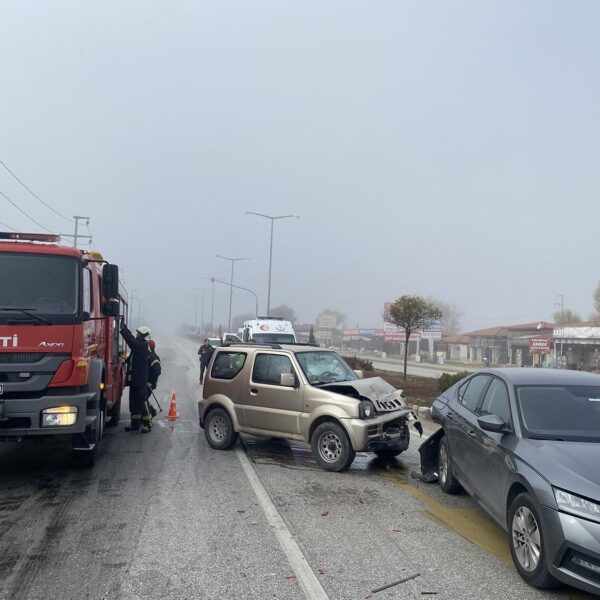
273 338
45 286
324 367
568 413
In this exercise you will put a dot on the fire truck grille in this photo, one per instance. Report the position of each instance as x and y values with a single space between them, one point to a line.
12 358
14 377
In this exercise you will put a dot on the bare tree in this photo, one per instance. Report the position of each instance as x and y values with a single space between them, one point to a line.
451 314
566 316
412 313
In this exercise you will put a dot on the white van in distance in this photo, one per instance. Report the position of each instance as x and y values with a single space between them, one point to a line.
268 330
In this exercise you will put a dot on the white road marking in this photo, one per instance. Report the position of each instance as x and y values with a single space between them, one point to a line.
305 576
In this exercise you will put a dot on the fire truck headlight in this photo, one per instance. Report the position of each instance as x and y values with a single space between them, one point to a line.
59 416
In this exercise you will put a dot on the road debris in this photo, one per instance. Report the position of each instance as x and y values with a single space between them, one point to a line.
324 514
241 512
289 577
394 583
428 593
361 501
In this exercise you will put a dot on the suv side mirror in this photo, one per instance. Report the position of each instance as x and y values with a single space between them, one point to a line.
110 308
492 423
287 380
359 373
110 281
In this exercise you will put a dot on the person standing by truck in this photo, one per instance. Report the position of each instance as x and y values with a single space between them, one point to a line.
205 353
139 363
154 371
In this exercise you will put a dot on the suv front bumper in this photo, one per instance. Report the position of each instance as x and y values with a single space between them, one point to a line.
380 433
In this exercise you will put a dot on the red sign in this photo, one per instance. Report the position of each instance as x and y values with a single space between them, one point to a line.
540 345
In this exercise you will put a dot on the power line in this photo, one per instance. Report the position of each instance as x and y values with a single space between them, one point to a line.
22 211
33 194
7 226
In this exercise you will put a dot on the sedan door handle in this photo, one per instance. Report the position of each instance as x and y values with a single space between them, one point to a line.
471 432
253 392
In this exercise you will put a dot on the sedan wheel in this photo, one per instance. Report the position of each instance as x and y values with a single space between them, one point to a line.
448 482
526 539
527 543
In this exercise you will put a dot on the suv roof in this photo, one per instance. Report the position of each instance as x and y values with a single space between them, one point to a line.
293 347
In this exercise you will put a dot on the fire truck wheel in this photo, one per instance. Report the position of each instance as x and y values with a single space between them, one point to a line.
115 414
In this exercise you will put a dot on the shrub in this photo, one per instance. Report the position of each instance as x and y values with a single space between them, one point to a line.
449 379
359 364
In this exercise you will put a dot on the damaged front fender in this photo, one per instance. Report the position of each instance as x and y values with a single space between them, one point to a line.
428 451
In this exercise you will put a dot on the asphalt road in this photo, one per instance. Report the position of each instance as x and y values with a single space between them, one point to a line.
165 516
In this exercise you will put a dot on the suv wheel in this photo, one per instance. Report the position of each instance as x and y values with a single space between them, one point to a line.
218 429
331 447
527 543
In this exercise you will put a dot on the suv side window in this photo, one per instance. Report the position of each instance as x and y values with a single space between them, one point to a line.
227 365
496 401
470 393
268 368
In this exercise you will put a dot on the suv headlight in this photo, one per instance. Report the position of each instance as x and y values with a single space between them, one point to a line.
576 505
366 409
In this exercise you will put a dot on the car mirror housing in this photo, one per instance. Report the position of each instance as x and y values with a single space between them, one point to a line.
287 380
359 373
492 423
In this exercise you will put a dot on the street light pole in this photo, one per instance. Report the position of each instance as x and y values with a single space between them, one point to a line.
237 287
272 219
233 260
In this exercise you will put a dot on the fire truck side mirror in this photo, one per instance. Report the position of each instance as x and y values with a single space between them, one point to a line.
110 281
110 308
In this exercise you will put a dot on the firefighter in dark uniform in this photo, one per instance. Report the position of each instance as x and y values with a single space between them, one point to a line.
154 371
137 376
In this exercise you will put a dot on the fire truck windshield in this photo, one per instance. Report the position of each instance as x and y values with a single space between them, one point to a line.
46 287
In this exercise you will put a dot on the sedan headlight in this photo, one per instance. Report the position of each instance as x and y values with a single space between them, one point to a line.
576 505
366 409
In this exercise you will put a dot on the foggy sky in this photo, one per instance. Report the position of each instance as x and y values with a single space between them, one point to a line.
442 148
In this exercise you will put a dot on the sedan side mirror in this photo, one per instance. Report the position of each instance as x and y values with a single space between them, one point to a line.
359 373
492 423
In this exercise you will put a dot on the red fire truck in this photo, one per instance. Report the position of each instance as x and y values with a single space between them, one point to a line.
61 356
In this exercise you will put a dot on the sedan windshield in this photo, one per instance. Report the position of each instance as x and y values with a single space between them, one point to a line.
38 288
566 413
324 367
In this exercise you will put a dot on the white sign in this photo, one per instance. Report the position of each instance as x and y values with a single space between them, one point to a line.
433 332
577 332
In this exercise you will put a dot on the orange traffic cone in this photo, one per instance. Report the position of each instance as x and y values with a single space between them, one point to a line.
172 416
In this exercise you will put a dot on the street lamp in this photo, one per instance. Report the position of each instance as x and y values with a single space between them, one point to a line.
233 261
212 304
238 287
273 219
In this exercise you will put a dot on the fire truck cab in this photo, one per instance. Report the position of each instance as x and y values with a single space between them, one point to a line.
61 354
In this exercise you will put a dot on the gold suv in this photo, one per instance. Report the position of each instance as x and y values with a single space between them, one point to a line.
302 393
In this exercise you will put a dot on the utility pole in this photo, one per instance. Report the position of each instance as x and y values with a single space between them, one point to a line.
76 235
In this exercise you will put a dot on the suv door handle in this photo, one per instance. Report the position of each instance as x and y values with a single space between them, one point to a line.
253 392
471 432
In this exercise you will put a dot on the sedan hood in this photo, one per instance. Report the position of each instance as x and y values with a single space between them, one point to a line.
571 466
384 396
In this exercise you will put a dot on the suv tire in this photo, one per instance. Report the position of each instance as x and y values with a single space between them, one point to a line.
331 447
218 429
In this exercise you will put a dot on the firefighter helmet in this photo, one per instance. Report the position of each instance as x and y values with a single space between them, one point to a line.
143 331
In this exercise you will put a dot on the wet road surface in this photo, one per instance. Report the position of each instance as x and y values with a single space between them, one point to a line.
165 516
